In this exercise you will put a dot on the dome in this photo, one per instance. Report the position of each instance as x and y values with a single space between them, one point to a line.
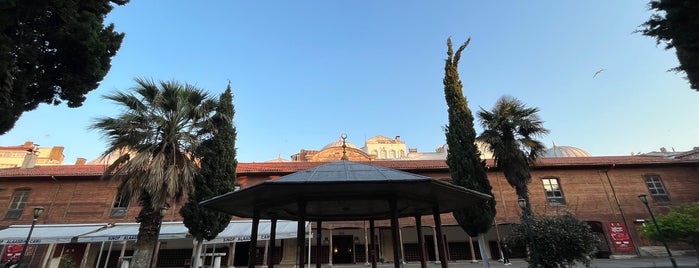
486 153
338 143
565 151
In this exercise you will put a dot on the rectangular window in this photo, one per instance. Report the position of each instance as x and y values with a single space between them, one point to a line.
656 188
554 193
119 207
17 204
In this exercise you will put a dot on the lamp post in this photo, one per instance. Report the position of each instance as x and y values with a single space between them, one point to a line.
163 211
37 213
532 244
644 199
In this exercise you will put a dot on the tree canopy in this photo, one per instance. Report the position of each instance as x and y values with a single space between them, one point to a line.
160 129
675 23
51 52
681 224
463 158
509 130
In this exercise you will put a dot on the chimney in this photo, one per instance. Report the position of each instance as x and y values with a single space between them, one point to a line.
29 159
663 150
397 138
80 161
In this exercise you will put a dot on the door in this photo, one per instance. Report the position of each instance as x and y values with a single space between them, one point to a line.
343 249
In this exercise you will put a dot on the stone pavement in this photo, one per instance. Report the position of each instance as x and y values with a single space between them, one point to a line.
687 261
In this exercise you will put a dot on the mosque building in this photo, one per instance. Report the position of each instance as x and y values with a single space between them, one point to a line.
86 219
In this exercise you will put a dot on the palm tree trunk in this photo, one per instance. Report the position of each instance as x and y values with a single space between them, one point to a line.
147 236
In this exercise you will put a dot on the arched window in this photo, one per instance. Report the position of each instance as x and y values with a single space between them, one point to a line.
553 191
393 154
383 154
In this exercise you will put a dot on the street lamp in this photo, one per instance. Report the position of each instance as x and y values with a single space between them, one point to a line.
526 217
37 213
644 199
163 211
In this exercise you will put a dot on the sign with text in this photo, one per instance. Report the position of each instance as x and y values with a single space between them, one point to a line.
621 241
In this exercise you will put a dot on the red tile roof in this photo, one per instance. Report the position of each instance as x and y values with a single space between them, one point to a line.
290 167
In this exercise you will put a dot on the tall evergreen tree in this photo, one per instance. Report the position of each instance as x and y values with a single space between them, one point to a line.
675 23
463 158
217 176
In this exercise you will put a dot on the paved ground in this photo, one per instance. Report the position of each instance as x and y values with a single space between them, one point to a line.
690 261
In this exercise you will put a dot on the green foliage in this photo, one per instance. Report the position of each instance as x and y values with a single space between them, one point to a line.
66 262
559 241
217 176
509 129
158 132
681 224
675 23
463 158
52 51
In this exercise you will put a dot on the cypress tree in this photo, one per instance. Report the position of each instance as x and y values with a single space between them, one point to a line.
217 176
463 158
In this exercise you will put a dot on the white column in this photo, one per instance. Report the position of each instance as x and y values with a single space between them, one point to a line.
330 247
264 260
436 249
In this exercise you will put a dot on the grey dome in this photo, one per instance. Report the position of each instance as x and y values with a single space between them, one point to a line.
338 143
565 151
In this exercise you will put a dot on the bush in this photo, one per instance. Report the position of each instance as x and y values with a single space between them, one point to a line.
559 241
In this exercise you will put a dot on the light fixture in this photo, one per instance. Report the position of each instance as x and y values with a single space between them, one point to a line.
37 212
522 203
643 198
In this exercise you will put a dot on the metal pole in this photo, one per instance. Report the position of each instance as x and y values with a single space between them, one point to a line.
37 212
660 234
26 243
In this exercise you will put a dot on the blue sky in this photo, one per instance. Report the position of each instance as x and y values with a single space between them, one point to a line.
303 72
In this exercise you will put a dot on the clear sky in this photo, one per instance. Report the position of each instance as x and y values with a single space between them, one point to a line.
304 72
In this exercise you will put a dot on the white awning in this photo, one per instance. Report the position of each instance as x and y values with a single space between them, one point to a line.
46 233
239 231
129 232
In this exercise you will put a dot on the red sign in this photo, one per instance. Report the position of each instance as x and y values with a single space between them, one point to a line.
621 241
12 252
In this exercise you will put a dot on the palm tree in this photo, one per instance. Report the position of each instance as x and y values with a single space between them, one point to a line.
159 128
509 130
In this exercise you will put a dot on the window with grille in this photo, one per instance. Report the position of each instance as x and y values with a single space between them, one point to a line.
17 204
656 188
119 206
554 193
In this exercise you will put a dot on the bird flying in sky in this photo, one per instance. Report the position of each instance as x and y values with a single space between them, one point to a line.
598 72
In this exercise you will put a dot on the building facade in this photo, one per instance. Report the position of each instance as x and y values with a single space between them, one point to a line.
599 190
30 154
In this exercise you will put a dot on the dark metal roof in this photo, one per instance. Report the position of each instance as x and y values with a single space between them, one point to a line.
345 190
346 171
